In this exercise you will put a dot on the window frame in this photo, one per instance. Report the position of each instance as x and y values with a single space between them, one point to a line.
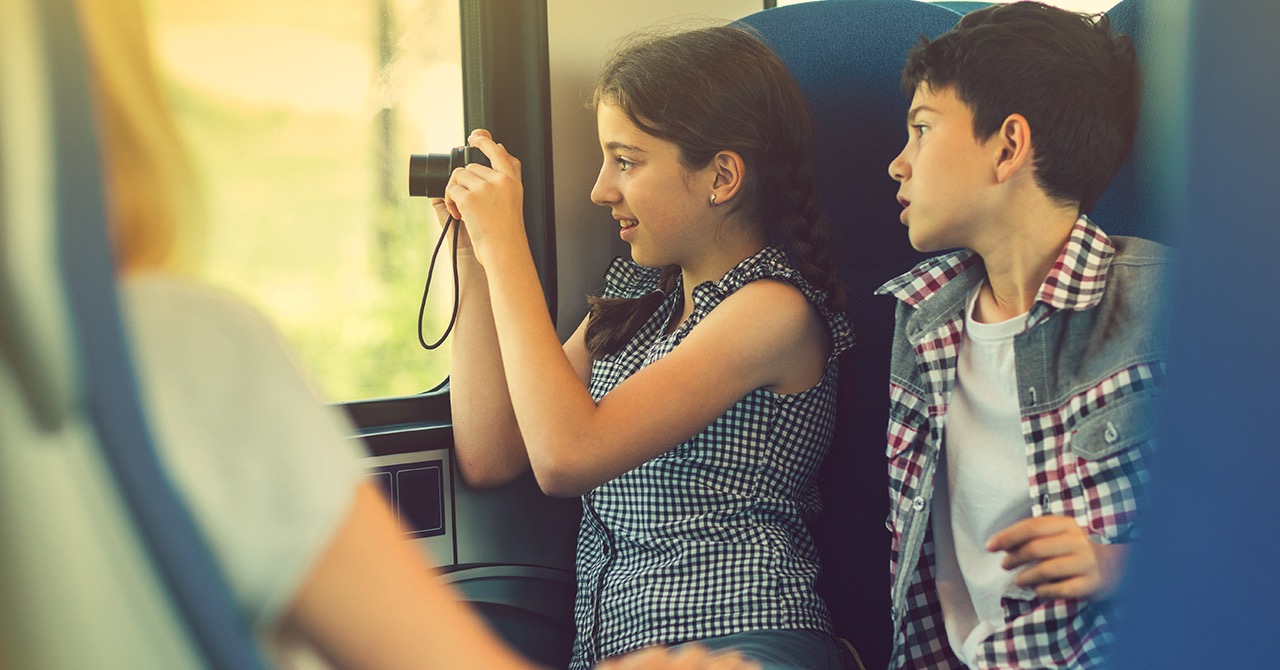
506 89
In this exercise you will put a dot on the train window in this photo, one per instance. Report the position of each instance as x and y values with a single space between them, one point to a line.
301 117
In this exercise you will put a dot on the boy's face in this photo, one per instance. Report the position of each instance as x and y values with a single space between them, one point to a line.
943 172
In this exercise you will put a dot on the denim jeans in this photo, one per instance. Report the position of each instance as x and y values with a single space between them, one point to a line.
782 649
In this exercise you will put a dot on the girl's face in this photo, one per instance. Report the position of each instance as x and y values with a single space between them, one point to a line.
656 201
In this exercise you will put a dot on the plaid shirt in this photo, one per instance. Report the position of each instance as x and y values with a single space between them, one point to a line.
1089 367
709 538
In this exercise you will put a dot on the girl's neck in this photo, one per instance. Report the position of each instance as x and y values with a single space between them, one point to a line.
725 254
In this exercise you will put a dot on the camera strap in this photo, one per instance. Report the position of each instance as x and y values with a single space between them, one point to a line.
451 222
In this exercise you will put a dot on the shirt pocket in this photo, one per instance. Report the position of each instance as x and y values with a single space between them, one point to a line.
1112 446
908 421
909 426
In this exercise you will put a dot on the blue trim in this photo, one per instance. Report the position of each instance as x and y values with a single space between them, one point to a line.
176 547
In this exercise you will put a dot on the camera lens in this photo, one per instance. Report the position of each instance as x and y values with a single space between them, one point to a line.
429 173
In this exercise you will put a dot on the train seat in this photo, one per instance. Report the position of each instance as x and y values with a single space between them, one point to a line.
1202 586
100 566
847 57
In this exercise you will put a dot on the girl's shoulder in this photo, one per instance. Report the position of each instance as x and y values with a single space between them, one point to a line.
787 284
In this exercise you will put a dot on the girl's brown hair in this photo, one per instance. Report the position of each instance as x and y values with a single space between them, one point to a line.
710 90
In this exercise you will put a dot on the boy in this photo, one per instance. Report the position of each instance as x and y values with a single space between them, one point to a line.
1026 363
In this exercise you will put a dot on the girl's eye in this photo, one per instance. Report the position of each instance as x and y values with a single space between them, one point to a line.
624 164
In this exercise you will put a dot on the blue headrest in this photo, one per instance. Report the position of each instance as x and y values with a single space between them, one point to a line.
847 56
1130 206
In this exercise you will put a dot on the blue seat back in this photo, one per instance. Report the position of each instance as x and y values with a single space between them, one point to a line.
1131 204
1203 586
847 57
103 499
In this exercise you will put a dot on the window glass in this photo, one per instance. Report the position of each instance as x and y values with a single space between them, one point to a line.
301 117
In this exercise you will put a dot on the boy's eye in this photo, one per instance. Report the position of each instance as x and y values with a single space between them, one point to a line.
919 128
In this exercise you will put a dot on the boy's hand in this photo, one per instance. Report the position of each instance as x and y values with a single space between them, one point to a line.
686 657
1062 561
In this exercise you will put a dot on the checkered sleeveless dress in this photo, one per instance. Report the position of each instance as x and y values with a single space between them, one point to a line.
709 538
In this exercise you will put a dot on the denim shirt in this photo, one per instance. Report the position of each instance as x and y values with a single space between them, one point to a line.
1089 367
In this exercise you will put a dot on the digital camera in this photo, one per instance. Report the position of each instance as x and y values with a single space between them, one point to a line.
429 173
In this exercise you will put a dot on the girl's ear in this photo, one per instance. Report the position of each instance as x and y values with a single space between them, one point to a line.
1012 144
727 173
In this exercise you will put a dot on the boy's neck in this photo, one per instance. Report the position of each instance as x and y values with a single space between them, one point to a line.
1018 253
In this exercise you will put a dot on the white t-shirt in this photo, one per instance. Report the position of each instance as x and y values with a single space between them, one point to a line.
981 483
267 470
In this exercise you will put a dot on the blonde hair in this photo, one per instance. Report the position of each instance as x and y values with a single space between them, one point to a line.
148 177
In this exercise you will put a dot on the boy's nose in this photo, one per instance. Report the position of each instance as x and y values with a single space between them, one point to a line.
898 167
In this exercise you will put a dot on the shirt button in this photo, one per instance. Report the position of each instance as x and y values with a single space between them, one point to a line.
917 504
1111 434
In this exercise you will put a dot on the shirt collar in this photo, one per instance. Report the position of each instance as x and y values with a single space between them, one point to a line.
1076 281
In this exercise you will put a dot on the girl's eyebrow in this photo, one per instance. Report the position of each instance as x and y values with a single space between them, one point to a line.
615 146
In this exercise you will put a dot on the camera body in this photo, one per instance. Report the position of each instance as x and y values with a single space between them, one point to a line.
429 173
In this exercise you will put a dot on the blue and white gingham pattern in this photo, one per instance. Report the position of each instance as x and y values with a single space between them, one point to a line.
1102 491
709 538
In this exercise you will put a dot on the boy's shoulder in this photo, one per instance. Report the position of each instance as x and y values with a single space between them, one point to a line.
1140 251
1141 268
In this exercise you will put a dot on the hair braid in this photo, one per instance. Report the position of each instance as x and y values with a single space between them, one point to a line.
613 321
803 227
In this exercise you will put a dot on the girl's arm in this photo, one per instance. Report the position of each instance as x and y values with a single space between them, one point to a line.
486 439
764 335
488 445
371 601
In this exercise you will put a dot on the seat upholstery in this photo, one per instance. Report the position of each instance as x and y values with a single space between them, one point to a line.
1202 584
101 563
847 57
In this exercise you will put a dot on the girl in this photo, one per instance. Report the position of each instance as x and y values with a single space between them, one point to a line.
693 406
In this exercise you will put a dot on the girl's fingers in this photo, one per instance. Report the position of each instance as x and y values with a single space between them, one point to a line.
502 162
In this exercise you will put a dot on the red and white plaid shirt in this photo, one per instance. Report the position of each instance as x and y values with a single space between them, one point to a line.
1089 368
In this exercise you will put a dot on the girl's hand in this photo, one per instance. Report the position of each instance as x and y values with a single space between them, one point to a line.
686 657
442 217
489 200
1062 560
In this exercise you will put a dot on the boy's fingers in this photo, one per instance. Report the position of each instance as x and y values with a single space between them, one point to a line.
1058 569
1042 548
1078 587
1027 529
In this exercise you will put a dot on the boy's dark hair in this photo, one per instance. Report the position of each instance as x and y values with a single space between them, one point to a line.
1075 82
